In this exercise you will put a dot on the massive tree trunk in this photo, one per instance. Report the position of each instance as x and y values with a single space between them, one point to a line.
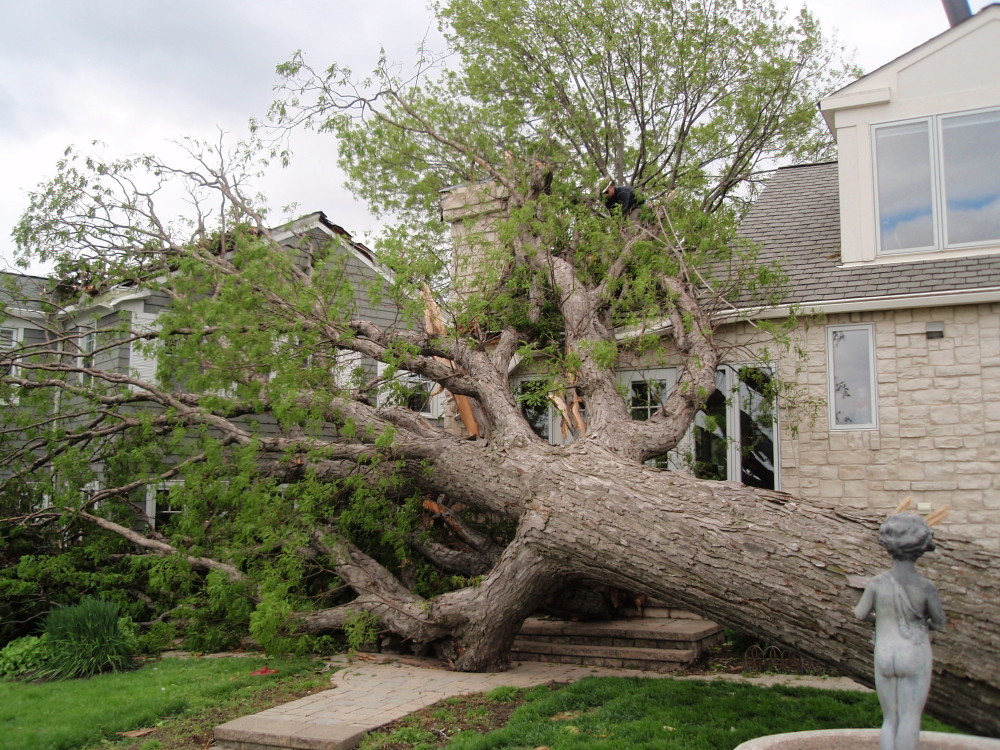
786 570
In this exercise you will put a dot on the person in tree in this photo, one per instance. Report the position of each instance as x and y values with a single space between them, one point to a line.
620 200
905 608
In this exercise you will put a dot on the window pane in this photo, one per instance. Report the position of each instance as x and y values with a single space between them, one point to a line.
905 194
711 442
971 145
756 428
852 377
532 395
646 398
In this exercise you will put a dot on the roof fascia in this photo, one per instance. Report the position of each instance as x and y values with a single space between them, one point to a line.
845 305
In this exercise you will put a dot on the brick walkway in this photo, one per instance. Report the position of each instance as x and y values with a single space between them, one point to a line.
367 694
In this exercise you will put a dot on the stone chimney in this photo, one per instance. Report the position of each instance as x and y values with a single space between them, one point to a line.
472 210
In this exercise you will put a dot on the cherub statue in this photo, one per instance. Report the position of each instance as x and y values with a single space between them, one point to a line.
905 607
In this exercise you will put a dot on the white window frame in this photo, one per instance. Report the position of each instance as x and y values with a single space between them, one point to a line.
668 377
555 425
150 504
17 334
731 390
665 375
939 209
872 377
734 437
435 401
87 343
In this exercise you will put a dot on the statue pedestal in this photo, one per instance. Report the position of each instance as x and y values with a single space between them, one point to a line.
863 739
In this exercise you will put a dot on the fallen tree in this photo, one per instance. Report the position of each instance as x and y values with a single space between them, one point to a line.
313 501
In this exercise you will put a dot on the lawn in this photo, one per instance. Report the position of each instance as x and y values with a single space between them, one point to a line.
82 713
611 713
185 698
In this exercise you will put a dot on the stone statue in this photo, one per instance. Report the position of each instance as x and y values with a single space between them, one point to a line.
904 606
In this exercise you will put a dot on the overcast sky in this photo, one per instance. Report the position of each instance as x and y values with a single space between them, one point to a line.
136 74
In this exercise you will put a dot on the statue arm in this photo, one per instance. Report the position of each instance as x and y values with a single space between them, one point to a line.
866 607
935 613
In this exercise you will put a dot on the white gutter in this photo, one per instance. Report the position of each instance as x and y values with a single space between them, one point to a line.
106 301
851 304
24 313
890 302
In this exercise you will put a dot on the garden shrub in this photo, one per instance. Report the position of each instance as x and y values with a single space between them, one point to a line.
23 657
86 639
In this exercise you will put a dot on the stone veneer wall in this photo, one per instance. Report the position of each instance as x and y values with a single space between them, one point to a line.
938 439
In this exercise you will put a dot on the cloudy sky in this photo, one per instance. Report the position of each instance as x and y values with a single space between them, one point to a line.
136 74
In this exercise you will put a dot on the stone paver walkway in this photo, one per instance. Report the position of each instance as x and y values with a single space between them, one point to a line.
368 693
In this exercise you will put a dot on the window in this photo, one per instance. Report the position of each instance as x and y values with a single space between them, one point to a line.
87 344
938 182
419 395
646 391
735 436
543 417
160 511
412 391
8 341
852 382
646 395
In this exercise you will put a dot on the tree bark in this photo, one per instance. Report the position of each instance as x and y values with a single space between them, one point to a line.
485 619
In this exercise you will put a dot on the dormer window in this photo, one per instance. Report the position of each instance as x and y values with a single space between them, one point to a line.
938 182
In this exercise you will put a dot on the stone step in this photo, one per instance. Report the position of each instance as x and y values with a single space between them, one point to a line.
695 635
650 659
657 611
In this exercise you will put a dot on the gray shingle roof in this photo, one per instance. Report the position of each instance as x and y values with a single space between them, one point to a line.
797 222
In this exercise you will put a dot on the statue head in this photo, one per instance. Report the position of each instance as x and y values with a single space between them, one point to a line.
906 536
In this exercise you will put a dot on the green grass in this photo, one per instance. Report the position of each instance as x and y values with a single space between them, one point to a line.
610 713
79 713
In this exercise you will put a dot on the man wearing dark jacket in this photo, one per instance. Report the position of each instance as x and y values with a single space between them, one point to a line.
621 199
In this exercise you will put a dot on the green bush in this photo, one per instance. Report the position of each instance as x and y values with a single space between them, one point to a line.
23 657
158 638
86 639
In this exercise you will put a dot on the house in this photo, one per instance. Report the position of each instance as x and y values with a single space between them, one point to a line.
894 250
897 245
78 319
